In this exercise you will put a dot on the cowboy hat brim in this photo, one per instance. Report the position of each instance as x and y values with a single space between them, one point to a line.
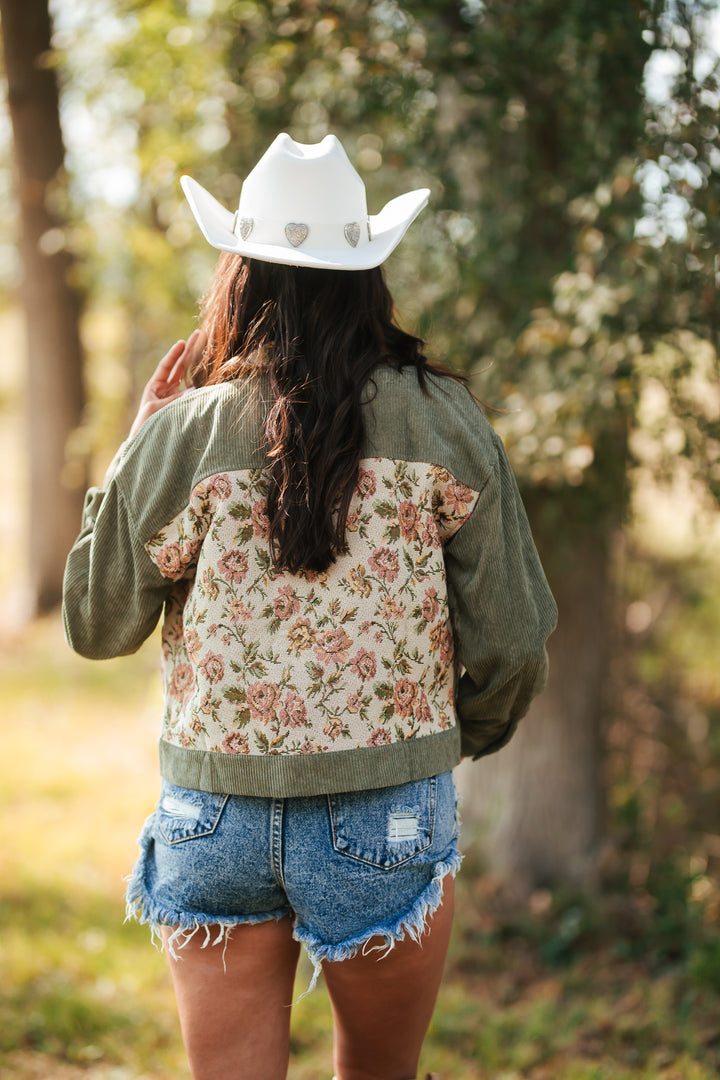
386 230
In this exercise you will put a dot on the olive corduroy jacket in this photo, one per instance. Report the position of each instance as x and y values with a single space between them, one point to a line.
424 640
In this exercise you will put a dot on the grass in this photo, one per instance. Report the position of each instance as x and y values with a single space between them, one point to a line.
573 987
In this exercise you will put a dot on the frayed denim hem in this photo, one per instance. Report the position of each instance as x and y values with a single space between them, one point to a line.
140 906
412 922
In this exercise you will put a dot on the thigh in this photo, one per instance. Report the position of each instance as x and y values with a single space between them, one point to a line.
382 1007
234 1000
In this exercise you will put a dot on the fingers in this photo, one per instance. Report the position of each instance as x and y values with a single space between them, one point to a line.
170 372
185 358
168 361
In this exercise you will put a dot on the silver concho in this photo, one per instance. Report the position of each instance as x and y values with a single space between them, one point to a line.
246 227
352 233
296 232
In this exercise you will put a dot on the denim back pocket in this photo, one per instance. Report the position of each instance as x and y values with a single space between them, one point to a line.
384 827
185 814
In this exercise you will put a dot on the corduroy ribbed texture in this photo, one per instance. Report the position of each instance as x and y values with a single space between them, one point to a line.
501 608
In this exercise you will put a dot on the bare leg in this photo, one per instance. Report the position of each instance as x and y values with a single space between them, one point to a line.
235 1020
382 1008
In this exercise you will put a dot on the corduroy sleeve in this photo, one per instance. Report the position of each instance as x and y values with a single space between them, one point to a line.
502 611
113 593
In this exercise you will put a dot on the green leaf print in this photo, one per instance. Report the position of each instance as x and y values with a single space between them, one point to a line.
261 741
240 512
234 694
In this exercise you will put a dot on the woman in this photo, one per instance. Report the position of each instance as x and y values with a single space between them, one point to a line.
332 530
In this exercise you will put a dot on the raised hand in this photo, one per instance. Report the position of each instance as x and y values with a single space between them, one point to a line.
166 382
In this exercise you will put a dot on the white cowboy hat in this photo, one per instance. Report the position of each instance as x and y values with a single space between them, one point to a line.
305 205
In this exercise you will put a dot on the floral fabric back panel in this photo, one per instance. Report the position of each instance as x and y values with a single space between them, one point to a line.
257 661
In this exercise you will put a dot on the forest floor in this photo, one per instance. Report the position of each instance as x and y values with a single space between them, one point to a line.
620 984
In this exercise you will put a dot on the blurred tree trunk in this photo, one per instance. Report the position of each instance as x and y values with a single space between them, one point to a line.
51 300
538 804
537 808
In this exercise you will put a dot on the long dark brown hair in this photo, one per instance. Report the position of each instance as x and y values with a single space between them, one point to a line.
317 335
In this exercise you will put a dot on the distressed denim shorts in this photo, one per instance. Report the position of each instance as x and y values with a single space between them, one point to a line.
346 867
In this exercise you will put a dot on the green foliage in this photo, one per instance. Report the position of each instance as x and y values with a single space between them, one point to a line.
531 125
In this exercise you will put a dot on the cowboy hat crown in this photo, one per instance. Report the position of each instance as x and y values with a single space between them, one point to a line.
305 205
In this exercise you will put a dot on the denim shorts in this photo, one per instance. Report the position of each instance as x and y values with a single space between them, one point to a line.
346 867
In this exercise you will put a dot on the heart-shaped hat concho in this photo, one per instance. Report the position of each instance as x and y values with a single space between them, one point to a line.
296 233
352 233
245 227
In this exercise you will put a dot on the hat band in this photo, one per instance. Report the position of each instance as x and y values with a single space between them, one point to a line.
296 234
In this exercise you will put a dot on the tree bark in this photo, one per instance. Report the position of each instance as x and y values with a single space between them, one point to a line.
536 809
51 300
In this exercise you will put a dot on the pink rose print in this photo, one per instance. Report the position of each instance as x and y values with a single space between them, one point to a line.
206 704
209 584
293 712
404 694
286 604
409 518
319 576
446 646
379 737
182 681
196 724
301 636
456 497
237 610
260 520
312 747
235 743
364 664
384 563
234 565
213 667
262 698
429 534
334 727
333 647
423 713
192 642
430 605
353 521
220 486
391 609
354 702
366 483
171 561
358 582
